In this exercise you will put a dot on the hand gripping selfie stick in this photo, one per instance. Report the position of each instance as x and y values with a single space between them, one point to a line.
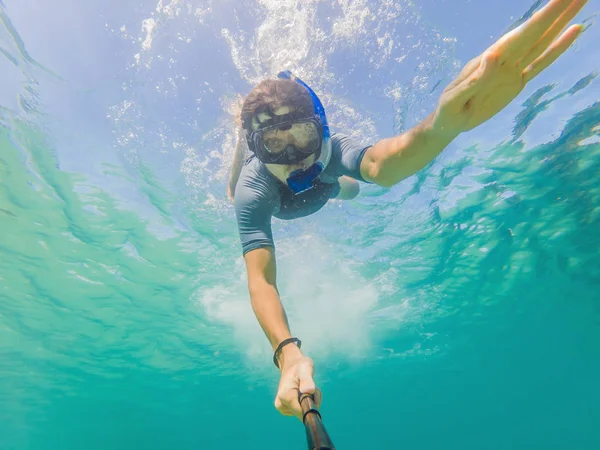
316 434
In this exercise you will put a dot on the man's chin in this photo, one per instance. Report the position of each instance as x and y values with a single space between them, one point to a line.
304 164
295 167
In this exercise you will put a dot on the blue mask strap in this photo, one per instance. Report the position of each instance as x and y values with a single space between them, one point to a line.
319 110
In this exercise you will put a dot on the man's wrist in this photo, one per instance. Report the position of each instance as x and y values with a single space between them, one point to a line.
287 354
435 128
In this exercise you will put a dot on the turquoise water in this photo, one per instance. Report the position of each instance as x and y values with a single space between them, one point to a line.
459 310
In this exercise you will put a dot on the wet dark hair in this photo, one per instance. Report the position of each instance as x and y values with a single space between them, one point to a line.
270 95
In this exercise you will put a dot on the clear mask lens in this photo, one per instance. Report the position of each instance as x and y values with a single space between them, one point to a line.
304 136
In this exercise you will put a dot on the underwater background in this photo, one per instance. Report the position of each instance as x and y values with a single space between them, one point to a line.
458 310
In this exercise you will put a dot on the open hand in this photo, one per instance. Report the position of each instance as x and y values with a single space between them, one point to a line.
491 81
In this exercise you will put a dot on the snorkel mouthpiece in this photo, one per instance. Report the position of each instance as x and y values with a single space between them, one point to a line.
301 181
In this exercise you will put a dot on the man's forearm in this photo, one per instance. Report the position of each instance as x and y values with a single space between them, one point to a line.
392 160
272 318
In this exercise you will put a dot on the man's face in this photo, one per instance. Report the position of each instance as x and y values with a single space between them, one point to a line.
299 136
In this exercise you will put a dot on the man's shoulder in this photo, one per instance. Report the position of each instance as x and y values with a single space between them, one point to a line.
255 184
343 143
337 138
346 155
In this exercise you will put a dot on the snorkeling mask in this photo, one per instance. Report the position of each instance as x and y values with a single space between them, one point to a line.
287 140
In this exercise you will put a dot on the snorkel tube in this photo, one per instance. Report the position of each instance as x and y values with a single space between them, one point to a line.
302 180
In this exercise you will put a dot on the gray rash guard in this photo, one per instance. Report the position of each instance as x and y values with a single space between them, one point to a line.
259 195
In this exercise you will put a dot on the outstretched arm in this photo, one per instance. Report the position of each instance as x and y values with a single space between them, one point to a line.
485 86
297 370
262 273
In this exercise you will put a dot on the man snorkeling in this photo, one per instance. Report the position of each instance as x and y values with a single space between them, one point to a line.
298 163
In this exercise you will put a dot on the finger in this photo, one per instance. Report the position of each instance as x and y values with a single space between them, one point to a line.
465 73
552 53
293 407
555 30
307 384
531 31
287 403
282 408
470 86
287 412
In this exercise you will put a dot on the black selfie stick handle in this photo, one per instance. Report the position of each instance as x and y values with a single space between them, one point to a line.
316 434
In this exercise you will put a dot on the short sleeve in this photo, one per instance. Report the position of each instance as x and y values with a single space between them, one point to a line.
347 155
255 204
